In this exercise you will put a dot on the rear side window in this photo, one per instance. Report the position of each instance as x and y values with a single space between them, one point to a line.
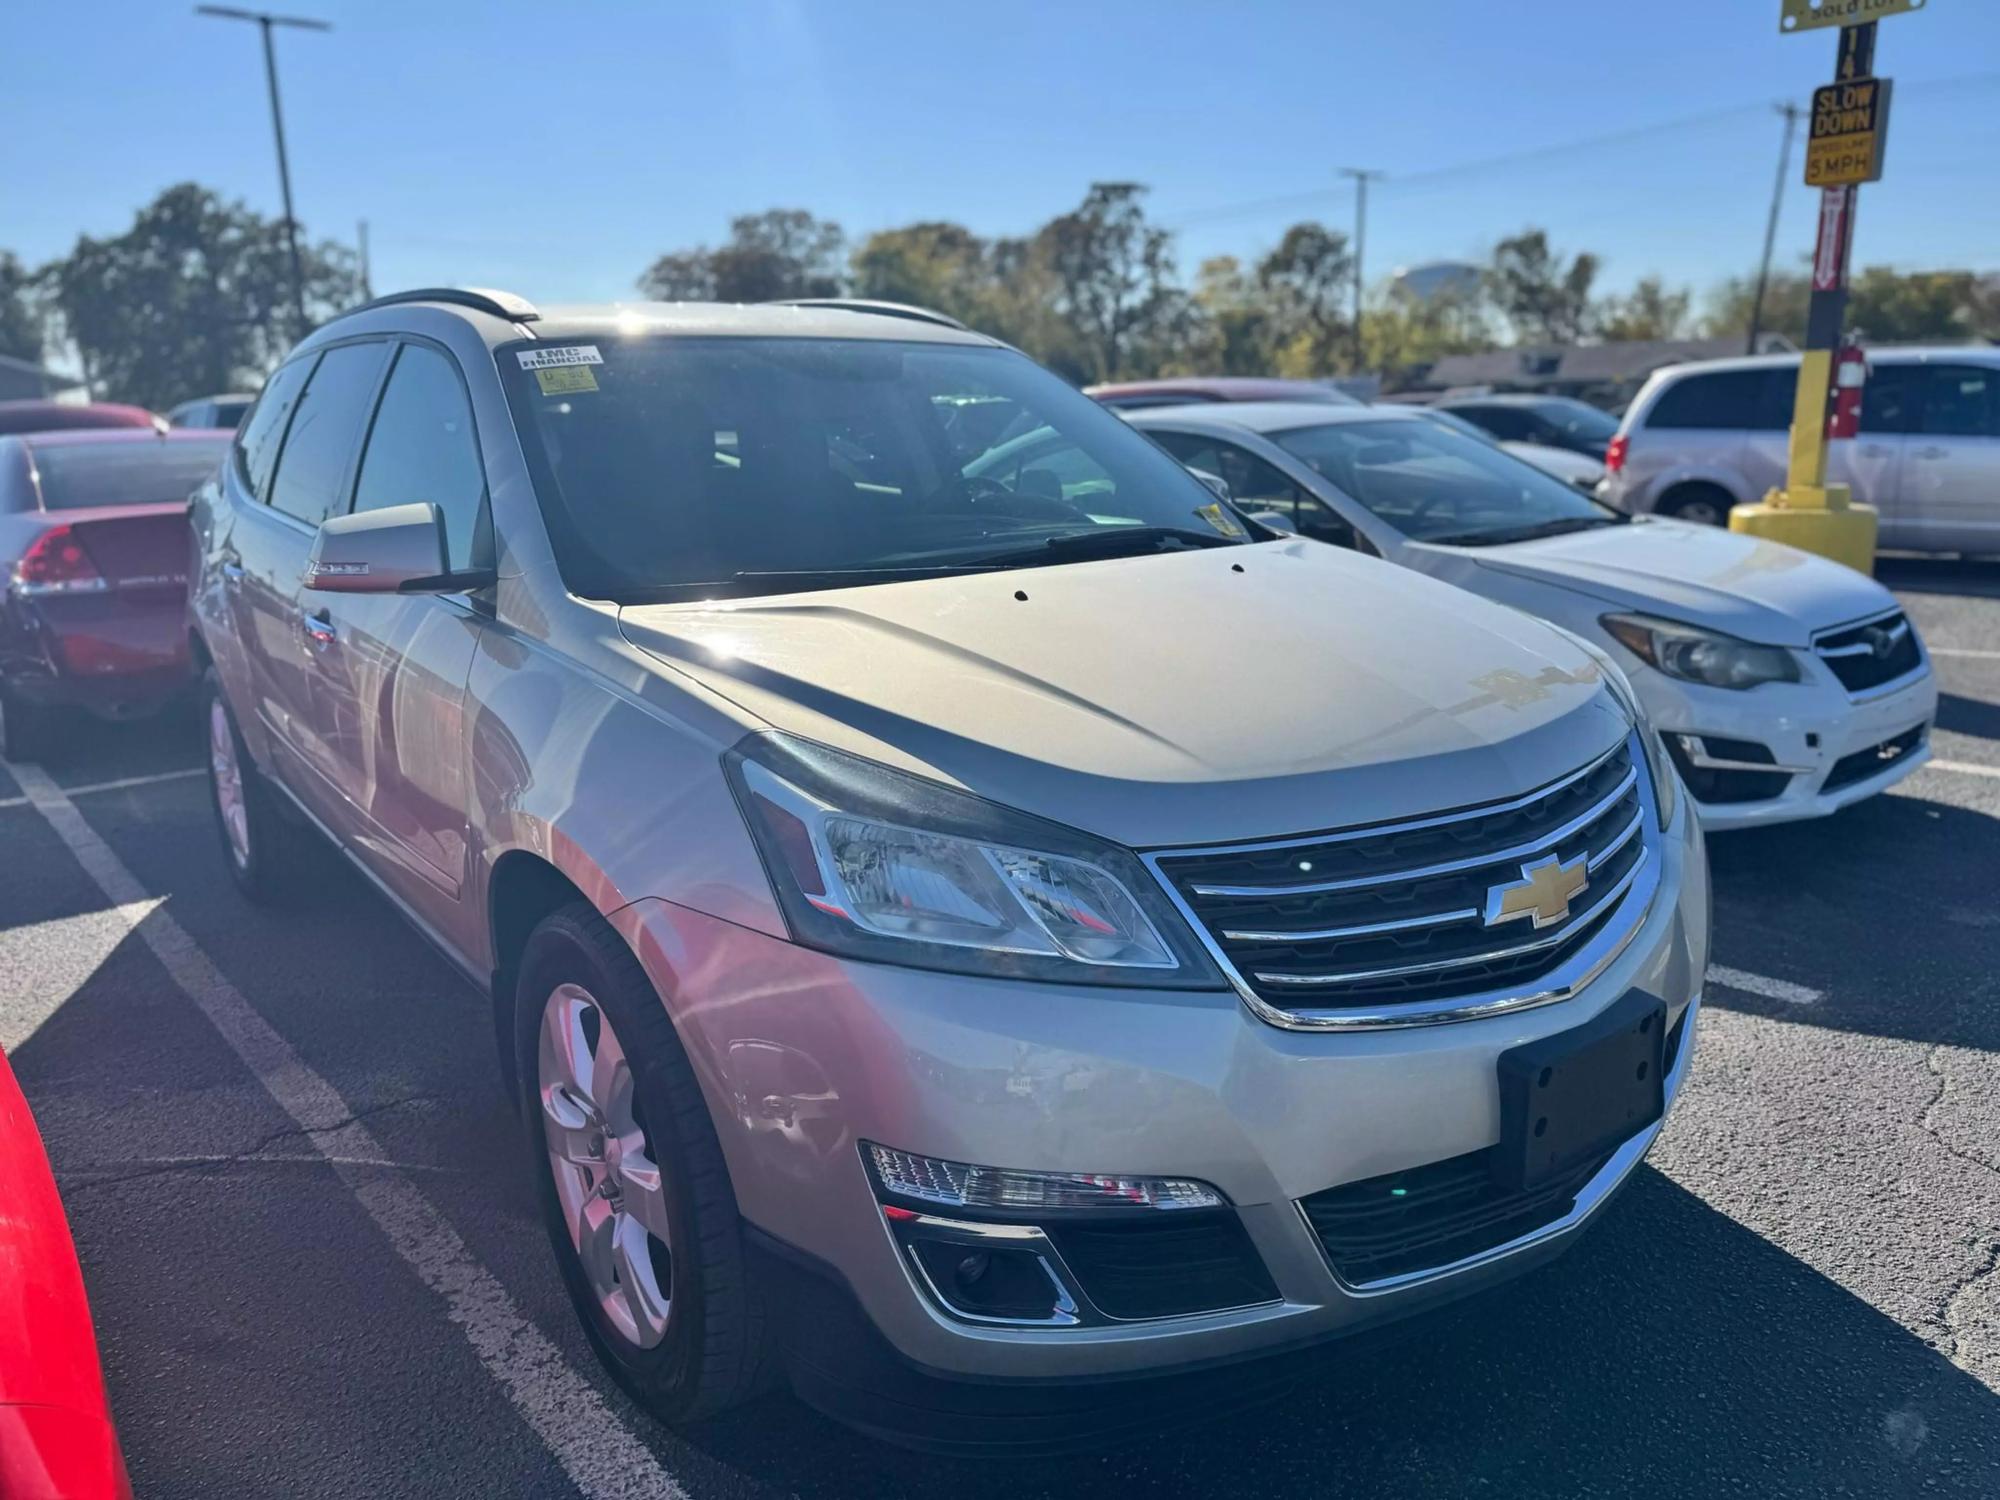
257 444
1961 401
326 429
1738 400
1890 398
81 476
1508 423
421 449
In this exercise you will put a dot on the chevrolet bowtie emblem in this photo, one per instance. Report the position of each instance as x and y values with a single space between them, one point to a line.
1543 892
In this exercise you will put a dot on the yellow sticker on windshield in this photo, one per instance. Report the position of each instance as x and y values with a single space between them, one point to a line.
565 380
1218 516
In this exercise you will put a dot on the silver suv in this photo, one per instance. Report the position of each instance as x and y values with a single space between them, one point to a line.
1701 438
957 933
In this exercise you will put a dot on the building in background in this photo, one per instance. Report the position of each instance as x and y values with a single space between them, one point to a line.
22 381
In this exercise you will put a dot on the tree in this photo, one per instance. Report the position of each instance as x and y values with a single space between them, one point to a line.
782 252
1234 330
21 330
1785 299
934 264
1885 306
1113 278
1405 330
1541 296
1309 279
196 296
1648 311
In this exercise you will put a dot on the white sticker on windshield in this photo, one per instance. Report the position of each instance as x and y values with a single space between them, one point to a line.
558 355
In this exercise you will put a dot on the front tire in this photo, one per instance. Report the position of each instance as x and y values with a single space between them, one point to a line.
260 845
634 1192
1700 504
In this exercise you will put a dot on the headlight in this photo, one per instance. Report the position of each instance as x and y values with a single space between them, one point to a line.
1704 656
875 864
1666 781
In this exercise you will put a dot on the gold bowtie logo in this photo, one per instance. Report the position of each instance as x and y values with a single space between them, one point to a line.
1543 892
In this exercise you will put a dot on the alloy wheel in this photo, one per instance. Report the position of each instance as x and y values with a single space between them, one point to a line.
607 1176
226 772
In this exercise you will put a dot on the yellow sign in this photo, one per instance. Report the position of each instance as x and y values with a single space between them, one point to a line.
1849 123
1811 15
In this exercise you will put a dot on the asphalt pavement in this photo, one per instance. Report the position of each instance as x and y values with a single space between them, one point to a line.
300 1201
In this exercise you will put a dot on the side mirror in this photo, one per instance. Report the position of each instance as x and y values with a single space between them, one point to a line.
1272 520
1216 483
398 550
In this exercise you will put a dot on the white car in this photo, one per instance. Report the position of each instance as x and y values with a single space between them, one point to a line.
1786 686
1579 469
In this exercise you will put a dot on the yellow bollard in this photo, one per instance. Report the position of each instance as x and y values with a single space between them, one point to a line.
1809 513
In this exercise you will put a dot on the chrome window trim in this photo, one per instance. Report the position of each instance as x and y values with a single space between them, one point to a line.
1589 1198
1562 983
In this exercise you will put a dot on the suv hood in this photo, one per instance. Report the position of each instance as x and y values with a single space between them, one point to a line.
1169 699
1762 591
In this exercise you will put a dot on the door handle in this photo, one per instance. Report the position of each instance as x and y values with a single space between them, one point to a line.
319 629
1933 452
1874 450
232 568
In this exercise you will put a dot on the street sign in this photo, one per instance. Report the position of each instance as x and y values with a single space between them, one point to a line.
1812 15
1836 233
1850 122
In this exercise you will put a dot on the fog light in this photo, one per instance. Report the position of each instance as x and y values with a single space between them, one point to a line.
953 1184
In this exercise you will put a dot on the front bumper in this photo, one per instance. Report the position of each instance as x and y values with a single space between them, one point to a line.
803 1056
1811 730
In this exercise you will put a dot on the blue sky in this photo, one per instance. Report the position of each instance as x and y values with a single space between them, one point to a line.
554 149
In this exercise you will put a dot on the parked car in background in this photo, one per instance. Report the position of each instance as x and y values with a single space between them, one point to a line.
1786 686
932 939
1572 468
93 575
225 412
1136 395
56 1437
17 417
1699 439
1552 421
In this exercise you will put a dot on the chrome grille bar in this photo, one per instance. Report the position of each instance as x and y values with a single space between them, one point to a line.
1366 929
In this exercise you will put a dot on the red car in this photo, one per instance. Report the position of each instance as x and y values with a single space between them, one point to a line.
56 1438
17 417
93 574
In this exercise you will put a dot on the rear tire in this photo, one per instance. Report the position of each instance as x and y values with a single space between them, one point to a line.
620 1144
28 731
1701 504
261 846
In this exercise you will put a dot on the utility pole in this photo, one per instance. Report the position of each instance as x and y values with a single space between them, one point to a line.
1791 112
265 21
367 282
1361 177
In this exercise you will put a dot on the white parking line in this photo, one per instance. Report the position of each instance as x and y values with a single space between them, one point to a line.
1962 651
107 786
601 1455
1963 767
1759 984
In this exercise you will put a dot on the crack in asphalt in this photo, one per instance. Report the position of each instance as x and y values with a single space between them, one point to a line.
248 1153
1956 1294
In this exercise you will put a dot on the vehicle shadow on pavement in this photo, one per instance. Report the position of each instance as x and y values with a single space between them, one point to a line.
1887 907
1958 714
1673 1352
1937 575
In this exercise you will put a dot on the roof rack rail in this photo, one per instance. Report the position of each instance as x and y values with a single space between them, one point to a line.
869 305
480 298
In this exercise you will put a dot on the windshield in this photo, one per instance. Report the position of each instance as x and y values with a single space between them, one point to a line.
77 476
1581 420
674 467
1434 485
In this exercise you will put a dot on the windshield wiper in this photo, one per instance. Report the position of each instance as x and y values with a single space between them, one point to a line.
1107 541
1501 536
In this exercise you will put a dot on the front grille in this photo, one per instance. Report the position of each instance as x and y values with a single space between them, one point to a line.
1163 1265
1435 1215
1398 913
1867 655
1870 762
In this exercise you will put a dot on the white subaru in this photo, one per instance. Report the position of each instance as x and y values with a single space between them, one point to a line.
1785 686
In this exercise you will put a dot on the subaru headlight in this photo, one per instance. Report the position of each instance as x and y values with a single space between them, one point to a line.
1704 656
1666 780
871 863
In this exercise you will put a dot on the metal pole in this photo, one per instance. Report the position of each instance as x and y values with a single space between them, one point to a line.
367 282
1791 114
1361 178
265 22
285 182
